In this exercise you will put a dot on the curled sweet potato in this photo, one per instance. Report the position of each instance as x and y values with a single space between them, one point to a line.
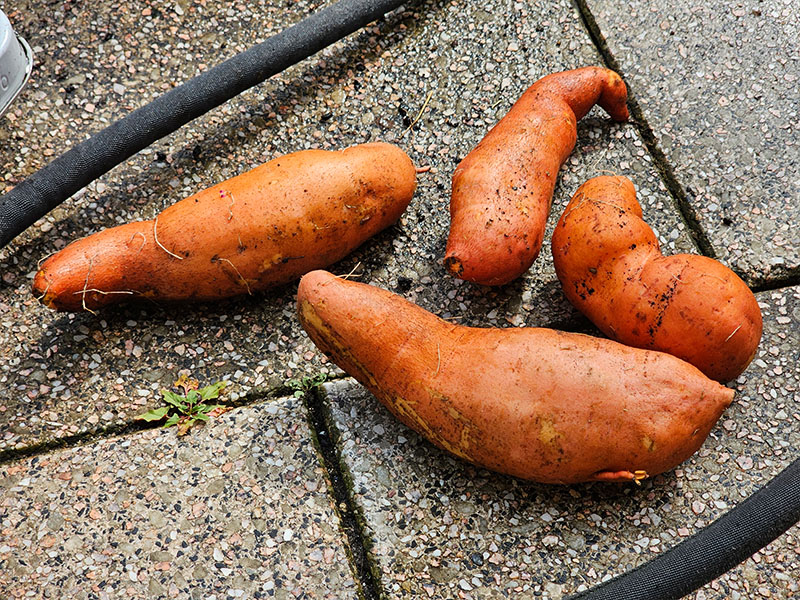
262 228
502 190
611 268
535 403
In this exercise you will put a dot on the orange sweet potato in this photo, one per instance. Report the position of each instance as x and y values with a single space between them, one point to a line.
611 268
502 190
535 403
262 228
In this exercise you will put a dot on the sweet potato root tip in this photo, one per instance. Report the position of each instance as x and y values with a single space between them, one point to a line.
690 306
41 289
453 265
476 394
611 476
614 99
263 228
502 190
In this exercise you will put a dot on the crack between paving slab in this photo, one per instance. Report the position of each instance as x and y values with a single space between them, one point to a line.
326 439
791 279
10 455
71 441
676 190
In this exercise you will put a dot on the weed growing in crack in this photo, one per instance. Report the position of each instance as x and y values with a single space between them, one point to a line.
189 408
306 384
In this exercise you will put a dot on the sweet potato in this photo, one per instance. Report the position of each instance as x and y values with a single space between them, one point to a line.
534 403
502 190
259 229
611 268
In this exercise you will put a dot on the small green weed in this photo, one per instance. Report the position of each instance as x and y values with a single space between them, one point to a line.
190 408
305 384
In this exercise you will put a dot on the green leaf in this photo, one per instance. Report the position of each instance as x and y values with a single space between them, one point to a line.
306 383
212 391
174 399
203 409
191 407
154 415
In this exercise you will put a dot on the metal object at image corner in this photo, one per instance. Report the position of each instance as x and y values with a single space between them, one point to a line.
16 63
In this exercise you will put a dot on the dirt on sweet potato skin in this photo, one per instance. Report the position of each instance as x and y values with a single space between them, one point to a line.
265 227
502 190
533 403
611 268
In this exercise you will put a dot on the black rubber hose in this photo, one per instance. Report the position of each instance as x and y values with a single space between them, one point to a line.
723 544
47 188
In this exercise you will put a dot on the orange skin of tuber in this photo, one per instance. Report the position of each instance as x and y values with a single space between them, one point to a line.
611 269
263 228
533 403
503 189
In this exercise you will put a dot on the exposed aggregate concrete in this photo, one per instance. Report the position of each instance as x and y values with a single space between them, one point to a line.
432 77
239 509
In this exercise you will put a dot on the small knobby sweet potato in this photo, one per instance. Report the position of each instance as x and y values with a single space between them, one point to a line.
611 268
535 403
265 227
502 190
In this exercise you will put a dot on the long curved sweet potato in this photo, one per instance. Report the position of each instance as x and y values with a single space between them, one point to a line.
502 190
265 227
534 403
611 268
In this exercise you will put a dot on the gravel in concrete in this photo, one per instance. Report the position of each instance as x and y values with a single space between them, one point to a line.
718 85
432 78
238 509
441 528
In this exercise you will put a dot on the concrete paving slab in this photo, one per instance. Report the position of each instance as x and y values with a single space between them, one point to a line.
65 375
451 71
238 509
718 85
438 527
